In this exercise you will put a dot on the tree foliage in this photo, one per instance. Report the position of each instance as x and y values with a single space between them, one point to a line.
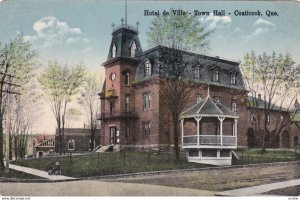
178 31
277 78
60 85
16 59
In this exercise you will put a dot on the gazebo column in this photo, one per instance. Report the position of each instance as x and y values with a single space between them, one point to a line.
182 121
235 131
221 129
198 129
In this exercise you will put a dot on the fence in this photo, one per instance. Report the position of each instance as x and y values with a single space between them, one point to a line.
254 156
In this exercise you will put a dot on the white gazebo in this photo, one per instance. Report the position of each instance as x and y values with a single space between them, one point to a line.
209 132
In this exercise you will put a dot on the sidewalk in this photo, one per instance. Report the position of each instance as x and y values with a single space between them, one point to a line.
256 190
39 173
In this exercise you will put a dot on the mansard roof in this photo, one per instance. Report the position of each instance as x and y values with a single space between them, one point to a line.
206 63
123 37
260 104
208 108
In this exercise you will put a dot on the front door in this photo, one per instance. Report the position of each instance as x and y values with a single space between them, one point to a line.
113 135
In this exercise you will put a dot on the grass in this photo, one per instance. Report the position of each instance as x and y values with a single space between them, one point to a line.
99 164
17 175
267 156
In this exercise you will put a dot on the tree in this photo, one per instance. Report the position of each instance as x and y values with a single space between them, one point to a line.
89 99
176 86
277 79
60 84
25 110
16 59
178 31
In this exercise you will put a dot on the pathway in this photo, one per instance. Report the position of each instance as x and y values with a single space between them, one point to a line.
256 190
39 173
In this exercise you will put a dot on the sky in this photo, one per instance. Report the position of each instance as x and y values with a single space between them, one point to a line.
79 31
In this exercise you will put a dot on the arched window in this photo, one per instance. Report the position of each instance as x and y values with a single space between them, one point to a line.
148 68
197 72
71 144
215 74
133 49
127 78
114 50
233 105
233 78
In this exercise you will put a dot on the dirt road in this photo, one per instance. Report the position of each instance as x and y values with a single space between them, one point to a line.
223 179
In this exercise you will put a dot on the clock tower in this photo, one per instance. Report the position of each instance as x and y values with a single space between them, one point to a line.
117 97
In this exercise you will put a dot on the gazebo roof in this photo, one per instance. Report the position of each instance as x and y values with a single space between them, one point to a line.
208 108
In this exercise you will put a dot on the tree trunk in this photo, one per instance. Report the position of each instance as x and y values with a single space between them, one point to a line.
175 131
1 142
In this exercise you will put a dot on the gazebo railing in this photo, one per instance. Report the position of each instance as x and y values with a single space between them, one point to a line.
227 140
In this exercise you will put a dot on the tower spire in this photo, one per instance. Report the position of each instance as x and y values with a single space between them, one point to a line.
125 12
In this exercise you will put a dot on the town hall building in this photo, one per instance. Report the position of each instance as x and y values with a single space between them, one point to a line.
133 116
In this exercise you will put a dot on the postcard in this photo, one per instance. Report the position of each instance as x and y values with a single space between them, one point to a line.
149 98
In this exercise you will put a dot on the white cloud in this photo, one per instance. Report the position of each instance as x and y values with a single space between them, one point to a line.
214 22
52 33
261 22
261 26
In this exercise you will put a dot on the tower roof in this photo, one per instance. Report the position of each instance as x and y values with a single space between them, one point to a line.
123 37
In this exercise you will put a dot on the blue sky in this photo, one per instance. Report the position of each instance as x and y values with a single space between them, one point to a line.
74 31
80 30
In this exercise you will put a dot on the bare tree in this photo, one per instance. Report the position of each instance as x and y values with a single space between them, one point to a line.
24 113
60 84
176 86
89 100
277 79
179 33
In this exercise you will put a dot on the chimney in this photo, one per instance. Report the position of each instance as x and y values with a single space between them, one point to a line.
259 96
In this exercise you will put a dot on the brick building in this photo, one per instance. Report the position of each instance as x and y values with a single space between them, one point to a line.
132 115
78 140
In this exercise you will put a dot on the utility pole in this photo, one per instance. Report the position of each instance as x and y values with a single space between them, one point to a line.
8 128
8 117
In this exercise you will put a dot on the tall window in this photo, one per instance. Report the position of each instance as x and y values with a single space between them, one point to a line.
198 98
197 72
146 128
253 118
111 107
147 101
71 144
127 103
127 131
215 74
148 68
233 105
268 119
114 50
133 49
233 78
127 78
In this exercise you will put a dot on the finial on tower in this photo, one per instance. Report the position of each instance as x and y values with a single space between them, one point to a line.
125 12
122 20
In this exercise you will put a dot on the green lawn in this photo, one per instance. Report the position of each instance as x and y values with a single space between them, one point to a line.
98 164
17 175
259 156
